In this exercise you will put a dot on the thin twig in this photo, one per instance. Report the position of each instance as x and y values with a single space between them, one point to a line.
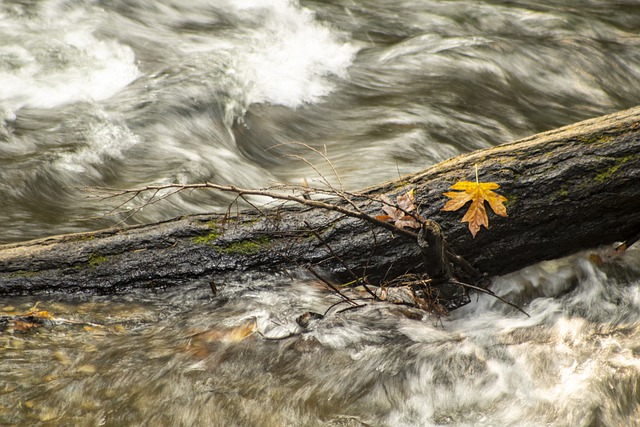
337 257
333 288
490 293
239 191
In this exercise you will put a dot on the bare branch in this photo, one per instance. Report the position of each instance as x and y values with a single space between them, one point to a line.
239 191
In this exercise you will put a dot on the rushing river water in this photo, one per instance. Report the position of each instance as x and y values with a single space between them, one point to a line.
128 93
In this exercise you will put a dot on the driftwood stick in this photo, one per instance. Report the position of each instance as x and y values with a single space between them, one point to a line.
568 189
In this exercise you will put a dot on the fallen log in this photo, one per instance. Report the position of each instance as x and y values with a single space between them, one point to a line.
568 189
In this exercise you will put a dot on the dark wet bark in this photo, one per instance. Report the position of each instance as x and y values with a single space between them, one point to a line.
569 189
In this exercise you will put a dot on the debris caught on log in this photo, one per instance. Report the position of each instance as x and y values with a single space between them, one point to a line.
568 189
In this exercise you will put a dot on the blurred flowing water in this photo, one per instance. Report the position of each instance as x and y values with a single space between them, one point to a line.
128 93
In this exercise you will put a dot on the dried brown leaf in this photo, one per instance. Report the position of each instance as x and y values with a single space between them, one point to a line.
397 213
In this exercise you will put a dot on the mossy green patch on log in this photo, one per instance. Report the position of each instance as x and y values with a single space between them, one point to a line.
24 274
247 247
596 139
611 171
208 239
96 259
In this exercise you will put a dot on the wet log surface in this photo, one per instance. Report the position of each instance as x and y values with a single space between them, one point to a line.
569 189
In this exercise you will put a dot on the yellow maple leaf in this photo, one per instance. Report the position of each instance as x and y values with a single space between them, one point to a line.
477 193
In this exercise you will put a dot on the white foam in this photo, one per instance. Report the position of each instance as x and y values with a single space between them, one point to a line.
59 61
290 56
104 140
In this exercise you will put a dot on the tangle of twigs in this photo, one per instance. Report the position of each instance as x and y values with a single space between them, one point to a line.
423 292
